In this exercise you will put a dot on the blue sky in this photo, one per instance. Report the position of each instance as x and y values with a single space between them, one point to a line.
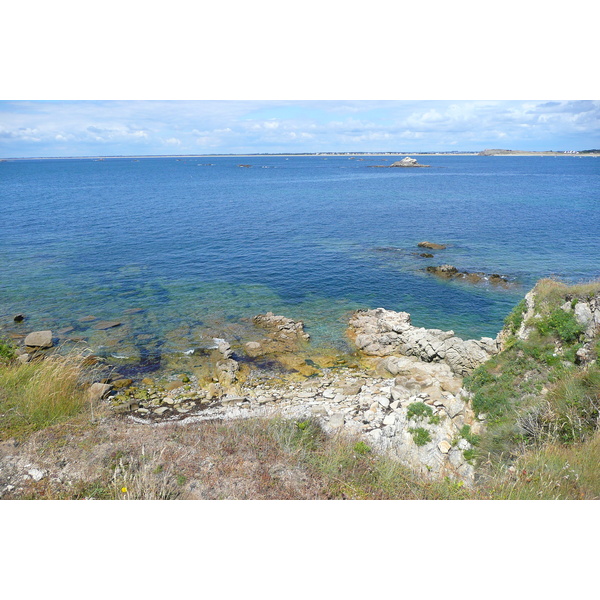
124 127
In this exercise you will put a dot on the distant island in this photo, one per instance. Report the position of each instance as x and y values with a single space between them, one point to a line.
498 152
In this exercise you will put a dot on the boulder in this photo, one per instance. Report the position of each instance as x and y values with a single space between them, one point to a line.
443 270
98 391
39 339
253 349
227 370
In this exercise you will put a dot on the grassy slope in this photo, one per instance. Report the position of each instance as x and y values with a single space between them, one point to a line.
541 407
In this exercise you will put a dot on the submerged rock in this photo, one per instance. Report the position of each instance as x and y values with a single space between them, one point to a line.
107 324
451 272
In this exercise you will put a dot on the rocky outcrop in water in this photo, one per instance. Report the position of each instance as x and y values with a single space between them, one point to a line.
283 335
431 245
381 332
407 162
451 272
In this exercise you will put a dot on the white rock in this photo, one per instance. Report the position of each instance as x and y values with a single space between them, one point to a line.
337 420
389 419
382 400
36 474
444 447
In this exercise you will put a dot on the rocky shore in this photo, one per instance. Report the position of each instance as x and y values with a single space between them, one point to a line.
403 395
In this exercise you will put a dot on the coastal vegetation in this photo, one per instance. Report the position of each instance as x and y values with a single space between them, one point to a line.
40 393
538 398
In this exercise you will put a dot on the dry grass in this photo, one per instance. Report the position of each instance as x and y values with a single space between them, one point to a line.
554 472
552 292
40 393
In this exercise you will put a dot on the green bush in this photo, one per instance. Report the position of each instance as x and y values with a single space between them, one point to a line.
465 432
561 324
7 352
420 436
361 448
419 410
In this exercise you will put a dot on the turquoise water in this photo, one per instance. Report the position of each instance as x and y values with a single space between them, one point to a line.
201 244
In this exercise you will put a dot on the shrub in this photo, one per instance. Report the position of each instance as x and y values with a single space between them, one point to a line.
465 432
561 324
419 410
361 448
7 352
420 436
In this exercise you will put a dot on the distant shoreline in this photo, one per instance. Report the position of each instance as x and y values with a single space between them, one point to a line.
314 154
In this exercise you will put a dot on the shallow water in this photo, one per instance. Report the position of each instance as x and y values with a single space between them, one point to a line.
201 245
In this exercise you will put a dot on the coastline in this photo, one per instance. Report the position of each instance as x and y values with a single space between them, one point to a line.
316 154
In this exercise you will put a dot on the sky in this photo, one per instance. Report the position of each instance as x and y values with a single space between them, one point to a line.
55 128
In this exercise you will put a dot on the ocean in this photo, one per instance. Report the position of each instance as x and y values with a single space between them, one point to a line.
184 250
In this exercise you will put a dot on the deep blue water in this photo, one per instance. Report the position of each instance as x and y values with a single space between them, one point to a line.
203 243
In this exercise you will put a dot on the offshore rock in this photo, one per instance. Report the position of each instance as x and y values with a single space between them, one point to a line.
407 162
451 272
381 332
431 246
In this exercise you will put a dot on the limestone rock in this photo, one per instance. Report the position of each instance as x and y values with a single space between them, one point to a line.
227 370
336 420
583 313
224 348
381 332
39 339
